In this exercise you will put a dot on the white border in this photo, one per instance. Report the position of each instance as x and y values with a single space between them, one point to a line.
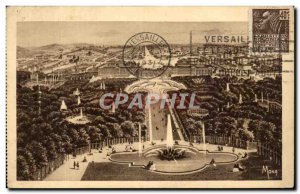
4 3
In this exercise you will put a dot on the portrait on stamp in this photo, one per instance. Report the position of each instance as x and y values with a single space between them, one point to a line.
270 30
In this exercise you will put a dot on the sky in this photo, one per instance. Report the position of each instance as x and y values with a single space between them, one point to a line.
32 34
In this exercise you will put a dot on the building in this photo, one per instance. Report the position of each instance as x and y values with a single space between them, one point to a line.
202 70
113 70
81 76
198 112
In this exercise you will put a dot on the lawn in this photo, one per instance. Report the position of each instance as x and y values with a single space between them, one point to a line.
121 172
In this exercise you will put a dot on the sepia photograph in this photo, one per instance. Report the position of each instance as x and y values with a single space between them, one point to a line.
150 103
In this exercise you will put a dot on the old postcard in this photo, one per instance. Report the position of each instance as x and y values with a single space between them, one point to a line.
150 97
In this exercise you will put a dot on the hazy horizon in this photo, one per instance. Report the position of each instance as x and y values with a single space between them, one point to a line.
82 43
36 34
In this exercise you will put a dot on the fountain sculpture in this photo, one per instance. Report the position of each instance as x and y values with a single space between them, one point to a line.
169 152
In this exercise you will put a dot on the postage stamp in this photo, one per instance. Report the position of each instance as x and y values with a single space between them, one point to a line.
270 30
169 99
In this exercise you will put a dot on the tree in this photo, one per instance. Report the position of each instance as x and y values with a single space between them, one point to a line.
47 128
246 135
128 129
68 147
266 136
53 114
240 123
104 131
267 130
99 120
21 139
39 153
58 142
83 138
139 118
22 168
115 129
23 117
253 125
94 133
191 126
74 135
224 125
51 150
263 131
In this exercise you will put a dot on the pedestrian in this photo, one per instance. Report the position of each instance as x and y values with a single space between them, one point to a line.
74 164
152 167
233 149
78 165
148 165
235 168
212 162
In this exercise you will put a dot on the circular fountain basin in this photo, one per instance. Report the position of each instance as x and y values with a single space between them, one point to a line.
195 160
78 120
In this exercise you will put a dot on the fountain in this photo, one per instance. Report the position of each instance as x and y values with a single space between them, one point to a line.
169 133
241 99
268 102
113 108
80 119
169 152
76 92
78 100
150 121
203 134
81 114
169 157
140 140
63 106
227 87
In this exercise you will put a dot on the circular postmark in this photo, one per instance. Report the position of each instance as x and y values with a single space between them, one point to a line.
146 55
